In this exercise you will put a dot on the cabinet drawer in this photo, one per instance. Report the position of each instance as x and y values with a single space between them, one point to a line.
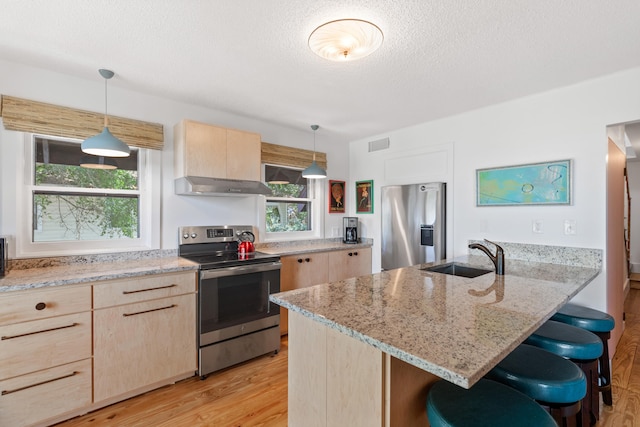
41 344
42 395
136 289
40 304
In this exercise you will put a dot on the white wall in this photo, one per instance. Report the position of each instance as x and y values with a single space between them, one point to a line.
46 86
633 175
568 123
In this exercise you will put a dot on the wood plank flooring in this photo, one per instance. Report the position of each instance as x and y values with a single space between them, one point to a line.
255 393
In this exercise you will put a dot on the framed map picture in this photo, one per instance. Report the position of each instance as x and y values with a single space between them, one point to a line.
546 183
336 196
364 196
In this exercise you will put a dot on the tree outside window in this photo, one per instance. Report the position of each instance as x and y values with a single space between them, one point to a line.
71 202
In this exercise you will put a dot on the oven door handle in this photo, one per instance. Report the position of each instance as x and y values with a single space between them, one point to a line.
242 269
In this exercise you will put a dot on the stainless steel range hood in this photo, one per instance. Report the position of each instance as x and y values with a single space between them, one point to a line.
201 186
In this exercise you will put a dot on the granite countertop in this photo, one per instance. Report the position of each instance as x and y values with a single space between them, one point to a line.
47 272
454 327
47 276
310 246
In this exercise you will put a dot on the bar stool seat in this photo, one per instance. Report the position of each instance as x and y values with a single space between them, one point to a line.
487 403
583 348
553 381
600 324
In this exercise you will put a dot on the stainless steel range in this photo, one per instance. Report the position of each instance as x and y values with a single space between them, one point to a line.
236 321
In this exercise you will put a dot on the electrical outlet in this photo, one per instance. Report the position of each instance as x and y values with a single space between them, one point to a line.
569 226
335 231
536 226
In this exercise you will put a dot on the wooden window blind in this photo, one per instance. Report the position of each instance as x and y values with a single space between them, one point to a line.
274 154
38 117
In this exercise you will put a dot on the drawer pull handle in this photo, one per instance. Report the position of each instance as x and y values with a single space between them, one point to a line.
4 392
149 311
38 332
148 289
41 306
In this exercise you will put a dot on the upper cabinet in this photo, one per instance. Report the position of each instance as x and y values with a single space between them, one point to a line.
215 152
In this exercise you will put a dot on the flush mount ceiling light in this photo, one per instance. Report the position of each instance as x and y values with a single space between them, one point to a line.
345 39
314 171
105 144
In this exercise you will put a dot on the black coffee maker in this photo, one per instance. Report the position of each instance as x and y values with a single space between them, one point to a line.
350 229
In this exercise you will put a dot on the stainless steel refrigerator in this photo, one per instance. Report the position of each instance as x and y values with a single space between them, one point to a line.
413 224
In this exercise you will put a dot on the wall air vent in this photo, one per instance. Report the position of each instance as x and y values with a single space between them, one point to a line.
380 144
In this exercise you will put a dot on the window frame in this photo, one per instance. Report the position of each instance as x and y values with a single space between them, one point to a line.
316 189
149 209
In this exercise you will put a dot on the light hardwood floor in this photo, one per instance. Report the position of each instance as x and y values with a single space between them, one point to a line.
255 393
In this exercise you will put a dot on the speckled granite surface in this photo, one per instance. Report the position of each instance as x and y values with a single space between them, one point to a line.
35 273
62 273
309 246
453 327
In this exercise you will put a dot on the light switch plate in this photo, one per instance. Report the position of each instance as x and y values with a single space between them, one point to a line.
569 226
536 226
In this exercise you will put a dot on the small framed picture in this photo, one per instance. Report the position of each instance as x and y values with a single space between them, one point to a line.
336 196
364 196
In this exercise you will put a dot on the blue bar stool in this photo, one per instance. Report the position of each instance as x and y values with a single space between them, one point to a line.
600 324
554 382
487 403
581 347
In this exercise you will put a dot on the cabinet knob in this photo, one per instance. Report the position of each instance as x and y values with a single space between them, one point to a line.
300 260
307 259
355 253
350 253
41 306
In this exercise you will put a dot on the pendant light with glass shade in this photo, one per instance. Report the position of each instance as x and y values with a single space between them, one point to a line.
314 171
105 144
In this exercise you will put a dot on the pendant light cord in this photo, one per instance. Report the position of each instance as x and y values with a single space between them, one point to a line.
106 119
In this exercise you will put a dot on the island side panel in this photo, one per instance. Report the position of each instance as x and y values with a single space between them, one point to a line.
407 393
307 400
333 379
355 382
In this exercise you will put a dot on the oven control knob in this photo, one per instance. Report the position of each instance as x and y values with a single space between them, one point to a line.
185 236
194 235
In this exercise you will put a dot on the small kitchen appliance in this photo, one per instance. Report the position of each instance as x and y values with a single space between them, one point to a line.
350 226
235 320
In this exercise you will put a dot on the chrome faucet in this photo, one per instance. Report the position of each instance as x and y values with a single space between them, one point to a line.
497 259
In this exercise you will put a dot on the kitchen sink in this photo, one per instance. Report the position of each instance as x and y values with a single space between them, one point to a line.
456 269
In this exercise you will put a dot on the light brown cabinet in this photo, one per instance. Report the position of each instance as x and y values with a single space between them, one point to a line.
72 349
211 151
349 263
144 333
45 354
300 271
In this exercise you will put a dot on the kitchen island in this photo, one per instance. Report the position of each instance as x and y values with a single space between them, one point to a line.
364 351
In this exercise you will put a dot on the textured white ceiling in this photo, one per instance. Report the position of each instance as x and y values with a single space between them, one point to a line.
250 57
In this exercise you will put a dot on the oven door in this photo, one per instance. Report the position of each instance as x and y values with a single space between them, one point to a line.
234 301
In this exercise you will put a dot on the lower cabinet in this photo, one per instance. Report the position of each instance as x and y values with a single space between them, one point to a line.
300 271
38 396
139 345
348 263
45 355
68 350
